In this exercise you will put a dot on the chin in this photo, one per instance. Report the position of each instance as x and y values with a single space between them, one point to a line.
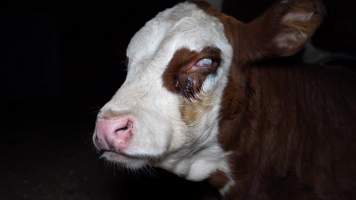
131 162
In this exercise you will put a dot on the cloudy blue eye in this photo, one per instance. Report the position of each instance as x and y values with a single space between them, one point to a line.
204 62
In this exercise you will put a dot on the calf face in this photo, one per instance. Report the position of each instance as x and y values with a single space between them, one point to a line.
167 112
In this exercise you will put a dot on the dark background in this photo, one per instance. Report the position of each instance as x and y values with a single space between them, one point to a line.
60 61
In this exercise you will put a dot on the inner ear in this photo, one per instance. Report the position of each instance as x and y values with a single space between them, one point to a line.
298 24
283 29
187 70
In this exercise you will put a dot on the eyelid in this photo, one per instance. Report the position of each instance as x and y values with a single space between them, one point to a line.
204 62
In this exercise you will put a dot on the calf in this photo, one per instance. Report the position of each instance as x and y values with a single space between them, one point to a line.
200 102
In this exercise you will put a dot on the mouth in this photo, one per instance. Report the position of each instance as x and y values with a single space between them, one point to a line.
128 161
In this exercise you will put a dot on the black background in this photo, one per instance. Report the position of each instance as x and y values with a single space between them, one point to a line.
60 62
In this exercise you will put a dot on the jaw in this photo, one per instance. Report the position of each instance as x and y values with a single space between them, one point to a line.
131 162
196 166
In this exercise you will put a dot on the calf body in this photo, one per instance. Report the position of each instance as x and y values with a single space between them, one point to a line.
291 133
199 102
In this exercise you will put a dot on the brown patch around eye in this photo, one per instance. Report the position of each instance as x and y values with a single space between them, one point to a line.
183 78
192 111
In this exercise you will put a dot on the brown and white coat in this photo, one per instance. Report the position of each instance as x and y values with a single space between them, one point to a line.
199 102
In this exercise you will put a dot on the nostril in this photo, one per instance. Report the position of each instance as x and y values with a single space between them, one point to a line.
114 134
121 129
128 125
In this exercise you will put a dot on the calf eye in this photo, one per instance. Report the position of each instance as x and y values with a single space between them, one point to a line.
204 62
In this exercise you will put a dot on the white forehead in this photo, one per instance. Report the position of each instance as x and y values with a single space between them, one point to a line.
183 26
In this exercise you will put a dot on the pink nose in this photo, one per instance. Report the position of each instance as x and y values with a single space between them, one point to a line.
113 134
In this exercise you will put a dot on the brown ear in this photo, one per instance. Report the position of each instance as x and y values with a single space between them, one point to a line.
281 31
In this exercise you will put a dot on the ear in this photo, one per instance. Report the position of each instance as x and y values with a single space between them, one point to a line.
281 31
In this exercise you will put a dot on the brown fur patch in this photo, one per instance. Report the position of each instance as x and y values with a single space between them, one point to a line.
191 111
181 58
258 39
183 78
289 132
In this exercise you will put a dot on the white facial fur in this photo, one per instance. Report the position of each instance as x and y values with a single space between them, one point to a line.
189 151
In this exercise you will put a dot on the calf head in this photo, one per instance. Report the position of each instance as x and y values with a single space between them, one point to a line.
167 112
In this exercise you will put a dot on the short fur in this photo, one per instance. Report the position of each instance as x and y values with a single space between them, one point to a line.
290 127
255 129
